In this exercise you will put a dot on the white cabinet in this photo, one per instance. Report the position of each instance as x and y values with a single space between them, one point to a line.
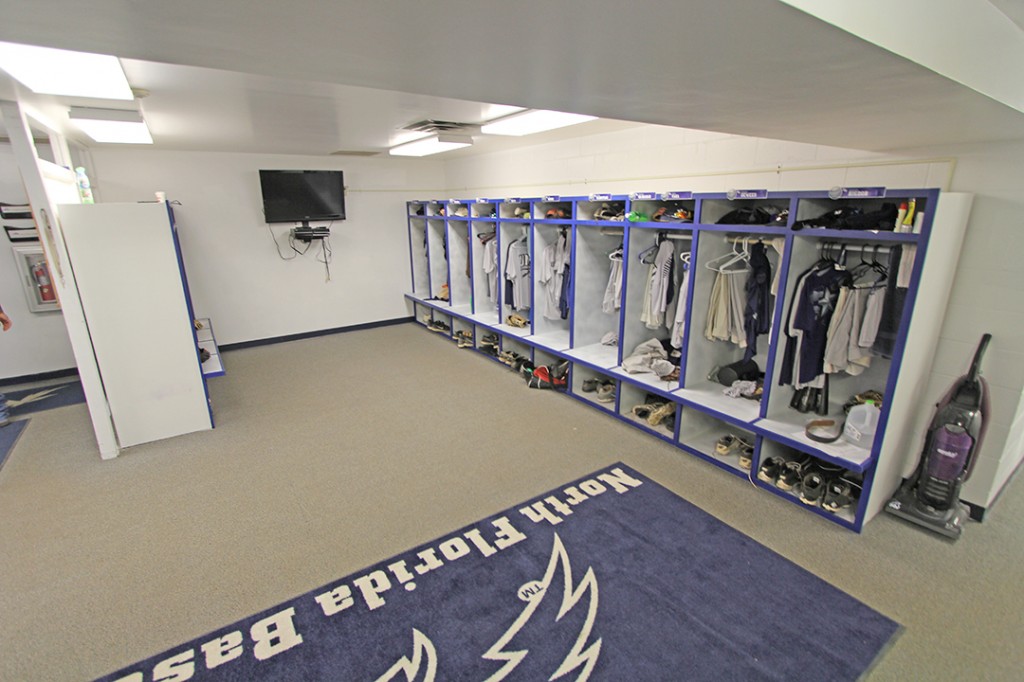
703 229
132 285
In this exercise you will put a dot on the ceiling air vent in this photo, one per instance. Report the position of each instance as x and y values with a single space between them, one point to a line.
434 127
347 152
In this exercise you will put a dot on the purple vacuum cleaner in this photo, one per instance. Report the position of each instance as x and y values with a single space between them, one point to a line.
931 496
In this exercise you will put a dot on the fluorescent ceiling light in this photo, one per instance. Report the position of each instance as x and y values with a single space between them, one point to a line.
49 71
533 121
434 144
111 125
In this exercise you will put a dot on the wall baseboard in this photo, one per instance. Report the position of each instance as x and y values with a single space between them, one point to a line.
73 371
309 335
43 376
978 512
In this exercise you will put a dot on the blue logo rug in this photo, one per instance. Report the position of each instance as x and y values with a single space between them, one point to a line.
9 436
27 401
611 577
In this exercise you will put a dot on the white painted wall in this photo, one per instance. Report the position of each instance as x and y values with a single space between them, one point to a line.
988 296
238 280
988 293
235 274
38 342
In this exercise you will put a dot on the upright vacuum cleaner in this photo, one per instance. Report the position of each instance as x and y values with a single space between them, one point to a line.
931 496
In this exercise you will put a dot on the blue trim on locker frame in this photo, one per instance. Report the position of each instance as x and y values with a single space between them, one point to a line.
761 433
188 303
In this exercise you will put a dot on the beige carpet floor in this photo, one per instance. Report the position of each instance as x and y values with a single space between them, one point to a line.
336 452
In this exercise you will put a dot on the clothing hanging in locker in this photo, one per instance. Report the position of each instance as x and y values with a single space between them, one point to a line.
757 313
613 291
741 303
726 306
563 297
517 273
892 308
840 317
867 316
679 324
489 263
553 275
658 292
810 315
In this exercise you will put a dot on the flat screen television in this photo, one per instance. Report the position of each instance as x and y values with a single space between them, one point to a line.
291 196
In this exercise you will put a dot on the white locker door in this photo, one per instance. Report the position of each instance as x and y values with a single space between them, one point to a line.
130 283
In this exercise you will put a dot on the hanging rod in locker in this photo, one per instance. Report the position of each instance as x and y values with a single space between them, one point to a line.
858 249
619 233
752 240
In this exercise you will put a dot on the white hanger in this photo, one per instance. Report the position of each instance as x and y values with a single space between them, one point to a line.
738 254
648 251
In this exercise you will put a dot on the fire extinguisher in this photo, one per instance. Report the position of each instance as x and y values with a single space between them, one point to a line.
42 278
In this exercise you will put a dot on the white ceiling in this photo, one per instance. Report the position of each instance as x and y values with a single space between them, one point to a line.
1014 9
310 77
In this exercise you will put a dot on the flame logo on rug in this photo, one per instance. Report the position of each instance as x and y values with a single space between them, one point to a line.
541 596
424 660
35 397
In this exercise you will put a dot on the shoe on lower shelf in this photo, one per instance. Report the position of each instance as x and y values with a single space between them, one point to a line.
791 474
746 455
770 470
644 411
839 494
660 413
812 488
438 326
517 321
726 445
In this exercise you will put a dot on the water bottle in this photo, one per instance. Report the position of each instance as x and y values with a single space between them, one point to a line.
84 188
861 423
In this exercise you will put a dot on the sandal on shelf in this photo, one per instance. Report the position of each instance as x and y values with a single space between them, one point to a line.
645 410
746 455
508 357
516 321
726 444
791 474
661 413
731 444
840 493
770 469
812 488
